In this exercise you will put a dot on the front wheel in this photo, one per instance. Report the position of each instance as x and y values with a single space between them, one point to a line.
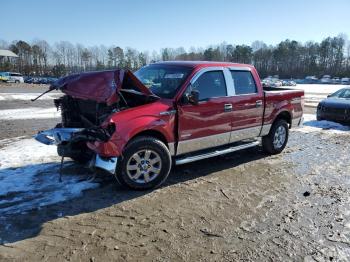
145 164
277 139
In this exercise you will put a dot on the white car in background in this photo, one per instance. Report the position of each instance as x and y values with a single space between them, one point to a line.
12 77
326 79
336 80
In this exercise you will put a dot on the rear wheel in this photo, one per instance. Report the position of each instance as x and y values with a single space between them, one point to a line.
277 139
145 164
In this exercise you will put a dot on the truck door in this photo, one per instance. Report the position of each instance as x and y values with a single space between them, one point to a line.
248 106
207 124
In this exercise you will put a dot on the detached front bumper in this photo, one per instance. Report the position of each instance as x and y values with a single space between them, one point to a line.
57 136
63 136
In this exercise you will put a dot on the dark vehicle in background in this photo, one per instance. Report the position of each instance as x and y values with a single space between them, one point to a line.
311 80
345 81
40 80
336 107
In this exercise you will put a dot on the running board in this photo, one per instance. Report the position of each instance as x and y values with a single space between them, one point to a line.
189 159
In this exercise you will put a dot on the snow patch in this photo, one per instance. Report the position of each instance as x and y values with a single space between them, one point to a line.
29 113
27 96
314 93
29 177
312 125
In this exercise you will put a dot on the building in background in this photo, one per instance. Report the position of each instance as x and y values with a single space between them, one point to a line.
7 56
8 60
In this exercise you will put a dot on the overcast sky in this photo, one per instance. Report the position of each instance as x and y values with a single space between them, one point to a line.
154 24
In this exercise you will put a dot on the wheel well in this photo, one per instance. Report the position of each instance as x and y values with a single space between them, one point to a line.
153 133
285 115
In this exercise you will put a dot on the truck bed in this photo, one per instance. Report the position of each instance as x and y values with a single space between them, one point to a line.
276 98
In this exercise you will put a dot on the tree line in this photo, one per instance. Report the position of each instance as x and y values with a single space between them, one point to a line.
288 59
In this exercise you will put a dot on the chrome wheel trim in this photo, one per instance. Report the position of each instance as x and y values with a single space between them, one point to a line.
144 166
280 137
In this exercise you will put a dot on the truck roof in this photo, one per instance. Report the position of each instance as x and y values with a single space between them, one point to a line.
197 64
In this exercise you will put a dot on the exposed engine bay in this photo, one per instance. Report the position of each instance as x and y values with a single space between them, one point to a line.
89 100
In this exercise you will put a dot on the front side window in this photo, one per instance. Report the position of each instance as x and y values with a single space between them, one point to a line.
244 82
163 80
210 84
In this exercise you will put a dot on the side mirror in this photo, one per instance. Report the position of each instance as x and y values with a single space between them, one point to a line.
193 97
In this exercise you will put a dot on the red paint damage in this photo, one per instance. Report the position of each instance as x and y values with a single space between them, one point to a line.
102 86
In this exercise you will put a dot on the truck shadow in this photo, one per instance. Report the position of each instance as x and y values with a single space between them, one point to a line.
16 226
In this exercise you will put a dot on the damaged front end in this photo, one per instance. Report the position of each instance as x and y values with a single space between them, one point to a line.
71 142
90 100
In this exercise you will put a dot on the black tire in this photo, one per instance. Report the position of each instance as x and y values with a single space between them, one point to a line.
82 159
268 141
82 154
138 146
85 155
318 118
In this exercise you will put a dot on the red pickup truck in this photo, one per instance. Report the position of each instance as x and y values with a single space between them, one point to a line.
136 126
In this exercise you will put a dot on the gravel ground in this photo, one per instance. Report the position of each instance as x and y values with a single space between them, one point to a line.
242 206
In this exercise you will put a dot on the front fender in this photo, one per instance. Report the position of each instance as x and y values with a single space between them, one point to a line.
126 130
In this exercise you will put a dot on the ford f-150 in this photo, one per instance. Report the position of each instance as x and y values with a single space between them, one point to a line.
136 126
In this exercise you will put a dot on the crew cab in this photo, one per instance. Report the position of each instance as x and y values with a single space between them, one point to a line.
136 126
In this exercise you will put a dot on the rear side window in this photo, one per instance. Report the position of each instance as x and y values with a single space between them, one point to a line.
244 82
210 84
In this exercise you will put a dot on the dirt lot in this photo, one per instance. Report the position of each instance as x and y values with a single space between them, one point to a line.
243 206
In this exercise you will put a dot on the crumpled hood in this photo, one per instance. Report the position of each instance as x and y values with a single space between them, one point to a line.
100 86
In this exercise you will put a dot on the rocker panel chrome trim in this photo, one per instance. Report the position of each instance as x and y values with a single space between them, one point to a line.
191 145
215 153
251 132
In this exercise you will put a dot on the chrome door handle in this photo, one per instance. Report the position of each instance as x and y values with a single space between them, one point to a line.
228 107
259 103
